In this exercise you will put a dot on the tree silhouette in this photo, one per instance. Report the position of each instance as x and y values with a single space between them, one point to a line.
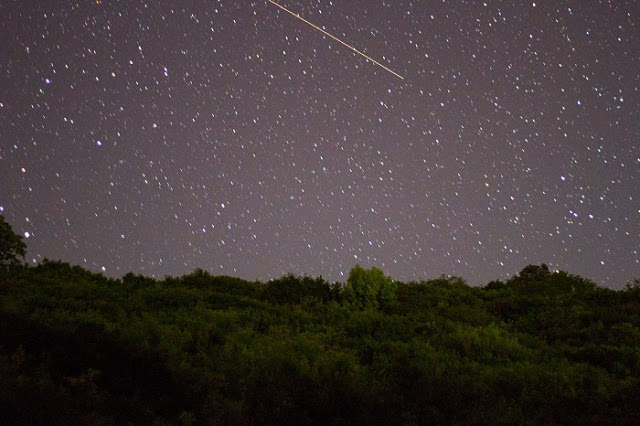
535 272
12 248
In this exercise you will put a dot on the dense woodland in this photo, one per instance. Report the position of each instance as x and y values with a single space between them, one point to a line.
543 347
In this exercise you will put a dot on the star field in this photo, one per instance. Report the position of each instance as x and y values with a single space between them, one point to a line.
159 137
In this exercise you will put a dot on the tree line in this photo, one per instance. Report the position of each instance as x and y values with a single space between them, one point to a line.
540 347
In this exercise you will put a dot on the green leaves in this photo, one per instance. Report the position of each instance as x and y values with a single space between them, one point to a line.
369 287
543 347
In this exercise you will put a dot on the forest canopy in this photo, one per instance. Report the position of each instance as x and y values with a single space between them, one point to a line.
540 347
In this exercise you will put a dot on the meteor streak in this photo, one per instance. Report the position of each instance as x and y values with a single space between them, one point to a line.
337 39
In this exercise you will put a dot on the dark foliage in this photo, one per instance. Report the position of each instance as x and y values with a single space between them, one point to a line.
12 247
542 347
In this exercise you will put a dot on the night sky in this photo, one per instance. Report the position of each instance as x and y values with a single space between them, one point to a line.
158 137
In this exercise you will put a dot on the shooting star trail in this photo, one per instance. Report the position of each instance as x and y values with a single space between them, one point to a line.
337 39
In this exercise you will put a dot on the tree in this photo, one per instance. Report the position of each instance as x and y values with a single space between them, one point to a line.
535 272
12 248
369 287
